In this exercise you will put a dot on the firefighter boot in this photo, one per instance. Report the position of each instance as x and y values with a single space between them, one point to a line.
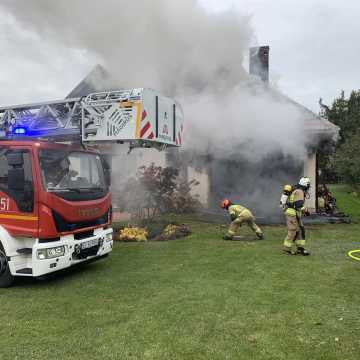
288 251
302 251
288 246
227 237
260 235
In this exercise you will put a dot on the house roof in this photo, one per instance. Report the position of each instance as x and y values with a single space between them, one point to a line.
97 80
315 126
314 123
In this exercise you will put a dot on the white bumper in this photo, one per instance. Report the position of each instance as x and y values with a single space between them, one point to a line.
76 251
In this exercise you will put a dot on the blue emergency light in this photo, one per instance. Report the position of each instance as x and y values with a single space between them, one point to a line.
26 131
19 131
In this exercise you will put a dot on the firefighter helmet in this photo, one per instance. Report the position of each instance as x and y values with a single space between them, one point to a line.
225 203
287 189
305 182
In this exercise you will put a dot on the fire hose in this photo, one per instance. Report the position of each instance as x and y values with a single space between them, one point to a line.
352 252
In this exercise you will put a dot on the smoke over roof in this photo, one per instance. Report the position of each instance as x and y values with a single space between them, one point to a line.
185 52
97 80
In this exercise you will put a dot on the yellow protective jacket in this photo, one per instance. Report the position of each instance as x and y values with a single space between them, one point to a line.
295 198
235 211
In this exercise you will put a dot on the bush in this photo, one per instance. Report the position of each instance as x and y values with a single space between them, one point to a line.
172 232
154 227
155 191
182 201
157 231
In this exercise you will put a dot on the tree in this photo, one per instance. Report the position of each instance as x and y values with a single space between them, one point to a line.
326 162
347 160
159 184
346 114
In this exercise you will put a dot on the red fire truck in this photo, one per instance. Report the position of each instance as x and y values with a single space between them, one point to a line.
55 198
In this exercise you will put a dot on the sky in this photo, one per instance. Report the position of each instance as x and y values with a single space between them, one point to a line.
314 51
314 46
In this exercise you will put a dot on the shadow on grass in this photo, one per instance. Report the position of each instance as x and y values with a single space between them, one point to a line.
58 277
245 239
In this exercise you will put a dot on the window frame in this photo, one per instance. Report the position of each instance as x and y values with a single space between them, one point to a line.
30 179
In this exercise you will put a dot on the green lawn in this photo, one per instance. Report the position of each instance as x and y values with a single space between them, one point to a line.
348 200
195 298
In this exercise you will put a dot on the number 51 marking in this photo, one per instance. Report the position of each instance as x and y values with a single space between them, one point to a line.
4 204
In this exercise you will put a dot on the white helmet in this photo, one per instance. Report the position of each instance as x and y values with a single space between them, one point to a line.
305 182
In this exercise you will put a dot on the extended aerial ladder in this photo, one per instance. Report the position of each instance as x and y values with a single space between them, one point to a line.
140 117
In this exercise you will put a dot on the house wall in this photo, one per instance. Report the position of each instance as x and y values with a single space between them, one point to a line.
124 166
148 156
202 191
310 171
255 186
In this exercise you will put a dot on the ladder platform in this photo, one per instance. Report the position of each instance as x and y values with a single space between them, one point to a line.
141 117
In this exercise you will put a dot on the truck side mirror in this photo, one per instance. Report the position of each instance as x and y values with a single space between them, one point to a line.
16 179
107 176
107 171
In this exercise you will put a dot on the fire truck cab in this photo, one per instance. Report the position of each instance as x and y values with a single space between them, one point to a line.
55 208
55 200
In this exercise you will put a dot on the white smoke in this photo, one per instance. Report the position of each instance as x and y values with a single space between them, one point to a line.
182 50
247 121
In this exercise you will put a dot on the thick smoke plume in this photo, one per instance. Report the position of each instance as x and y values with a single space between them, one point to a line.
185 52
182 50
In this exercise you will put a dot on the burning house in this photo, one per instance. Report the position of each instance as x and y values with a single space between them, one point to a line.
243 139
250 169
257 181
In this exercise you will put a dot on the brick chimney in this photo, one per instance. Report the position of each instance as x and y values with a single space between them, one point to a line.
259 62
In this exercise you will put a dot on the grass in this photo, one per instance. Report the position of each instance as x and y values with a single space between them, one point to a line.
348 199
195 298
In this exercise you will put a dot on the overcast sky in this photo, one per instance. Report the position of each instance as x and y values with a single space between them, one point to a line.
315 51
315 47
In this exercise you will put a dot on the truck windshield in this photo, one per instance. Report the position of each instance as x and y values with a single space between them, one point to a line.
71 171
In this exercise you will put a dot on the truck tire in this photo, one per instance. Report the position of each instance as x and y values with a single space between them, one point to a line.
6 279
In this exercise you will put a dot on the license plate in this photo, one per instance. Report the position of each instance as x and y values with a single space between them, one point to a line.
89 244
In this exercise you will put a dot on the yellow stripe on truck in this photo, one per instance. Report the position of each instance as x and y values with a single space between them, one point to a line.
137 106
19 217
138 119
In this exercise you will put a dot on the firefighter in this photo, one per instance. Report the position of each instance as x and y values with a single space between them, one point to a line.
240 215
294 242
56 172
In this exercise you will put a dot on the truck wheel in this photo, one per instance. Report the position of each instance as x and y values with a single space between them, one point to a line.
6 279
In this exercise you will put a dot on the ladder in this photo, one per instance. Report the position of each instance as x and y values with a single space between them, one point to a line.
59 119
140 117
